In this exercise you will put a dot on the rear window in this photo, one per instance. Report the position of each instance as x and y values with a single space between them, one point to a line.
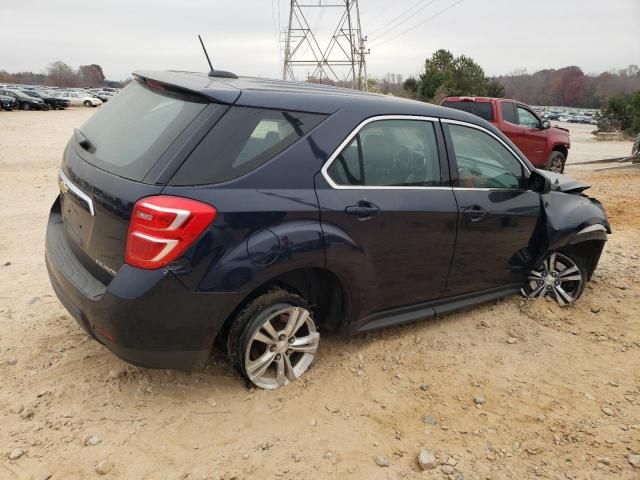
131 131
241 141
481 109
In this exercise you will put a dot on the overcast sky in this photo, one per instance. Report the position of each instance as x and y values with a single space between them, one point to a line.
502 35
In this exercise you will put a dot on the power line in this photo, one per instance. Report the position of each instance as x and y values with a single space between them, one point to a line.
407 11
419 24
383 10
275 27
405 20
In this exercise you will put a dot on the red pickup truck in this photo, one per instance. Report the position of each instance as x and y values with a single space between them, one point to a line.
545 146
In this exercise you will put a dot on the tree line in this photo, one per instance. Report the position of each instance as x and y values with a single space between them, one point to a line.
444 75
570 86
59 74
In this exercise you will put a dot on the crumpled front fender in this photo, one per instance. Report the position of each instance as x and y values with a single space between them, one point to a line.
570 219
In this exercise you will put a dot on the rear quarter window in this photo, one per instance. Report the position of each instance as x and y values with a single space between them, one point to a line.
481 109
244 139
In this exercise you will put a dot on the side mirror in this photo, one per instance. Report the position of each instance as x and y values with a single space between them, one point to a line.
539 183
546 124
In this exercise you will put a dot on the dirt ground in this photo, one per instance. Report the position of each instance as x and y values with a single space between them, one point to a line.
561 401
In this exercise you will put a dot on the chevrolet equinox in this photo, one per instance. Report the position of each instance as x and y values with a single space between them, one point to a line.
199 210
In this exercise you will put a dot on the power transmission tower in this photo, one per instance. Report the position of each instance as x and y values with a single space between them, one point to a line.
341 59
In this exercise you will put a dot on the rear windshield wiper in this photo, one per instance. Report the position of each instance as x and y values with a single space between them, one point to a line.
83 141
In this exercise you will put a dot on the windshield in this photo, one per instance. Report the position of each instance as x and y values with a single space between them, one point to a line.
130 132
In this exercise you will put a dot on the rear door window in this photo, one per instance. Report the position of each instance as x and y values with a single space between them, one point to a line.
508 112
389 153
130 132
241 141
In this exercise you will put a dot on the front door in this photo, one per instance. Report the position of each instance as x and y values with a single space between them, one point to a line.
532 138
498 214
388 218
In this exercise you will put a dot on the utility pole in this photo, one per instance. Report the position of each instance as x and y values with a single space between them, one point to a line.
341 58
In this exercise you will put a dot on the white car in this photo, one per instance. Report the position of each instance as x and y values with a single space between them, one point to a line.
80 98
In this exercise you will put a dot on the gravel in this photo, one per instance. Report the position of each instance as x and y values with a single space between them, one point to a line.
607 411
16 454
90 440
429 420
427 460
104 467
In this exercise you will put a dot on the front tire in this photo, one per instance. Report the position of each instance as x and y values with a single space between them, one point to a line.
561 276
273 340
556 162
26 106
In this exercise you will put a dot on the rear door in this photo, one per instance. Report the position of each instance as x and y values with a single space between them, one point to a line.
107 162
498 214
388 213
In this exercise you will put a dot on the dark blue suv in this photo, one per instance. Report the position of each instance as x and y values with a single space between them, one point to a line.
200 209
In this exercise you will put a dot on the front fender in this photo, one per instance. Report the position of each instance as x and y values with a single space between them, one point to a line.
571 219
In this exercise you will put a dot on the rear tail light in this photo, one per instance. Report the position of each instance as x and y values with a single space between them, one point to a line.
162 228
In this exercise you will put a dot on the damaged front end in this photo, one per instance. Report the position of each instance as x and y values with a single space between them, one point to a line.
570 237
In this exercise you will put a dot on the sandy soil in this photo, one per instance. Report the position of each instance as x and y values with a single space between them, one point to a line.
562 402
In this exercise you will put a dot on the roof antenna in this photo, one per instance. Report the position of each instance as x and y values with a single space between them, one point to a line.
206 54
212 72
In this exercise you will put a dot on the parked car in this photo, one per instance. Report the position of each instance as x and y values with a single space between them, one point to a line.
8 103
53 102
79 98
103 96
25 102
252 213
544 146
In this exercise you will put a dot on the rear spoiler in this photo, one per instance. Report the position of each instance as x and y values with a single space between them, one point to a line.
186 83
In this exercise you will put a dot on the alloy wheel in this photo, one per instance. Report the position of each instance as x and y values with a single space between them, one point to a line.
282 348
558 277
556 165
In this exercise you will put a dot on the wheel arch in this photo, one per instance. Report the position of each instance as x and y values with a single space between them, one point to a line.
562 148
328 296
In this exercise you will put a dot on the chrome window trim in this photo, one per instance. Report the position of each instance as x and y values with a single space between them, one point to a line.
352 135
66 184
478 127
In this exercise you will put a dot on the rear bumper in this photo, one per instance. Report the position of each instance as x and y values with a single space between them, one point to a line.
145 317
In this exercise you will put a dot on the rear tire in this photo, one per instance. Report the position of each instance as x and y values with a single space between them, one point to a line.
26 106
273 340
556 162
88 104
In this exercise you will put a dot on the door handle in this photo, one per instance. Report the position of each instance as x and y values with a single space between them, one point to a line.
474 213
363 209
